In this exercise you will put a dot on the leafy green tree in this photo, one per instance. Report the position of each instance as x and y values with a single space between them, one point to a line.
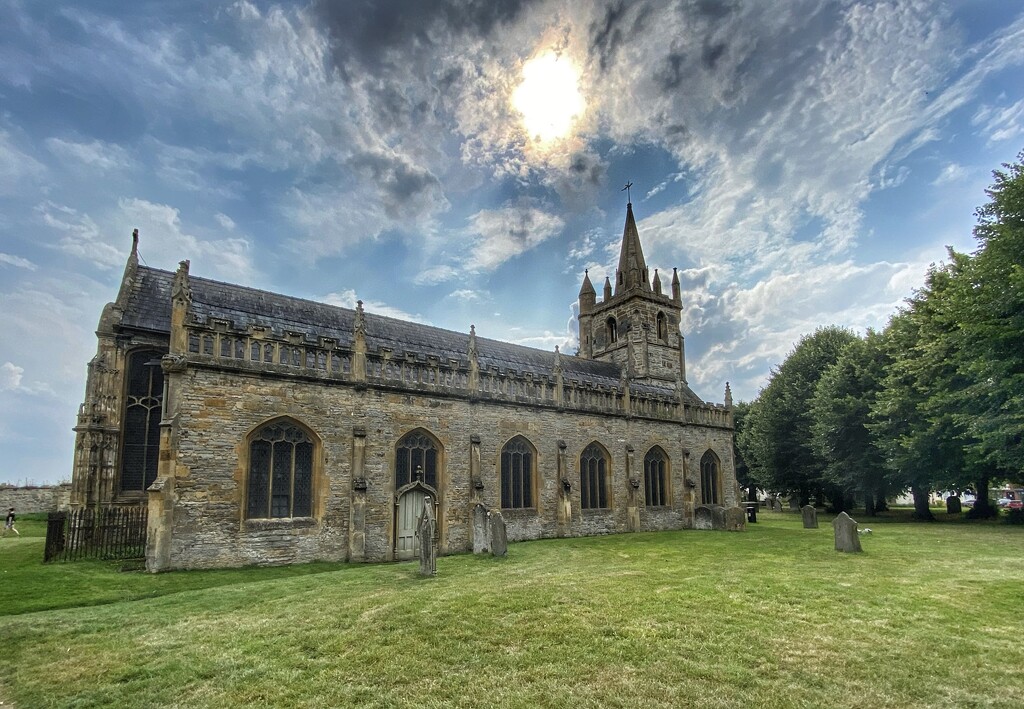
991 315
743 477
776 436
918 420
841 411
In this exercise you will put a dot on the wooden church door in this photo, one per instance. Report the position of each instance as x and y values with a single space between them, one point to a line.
410 505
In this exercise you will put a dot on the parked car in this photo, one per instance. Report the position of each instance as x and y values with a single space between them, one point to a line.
1005 501
1015 505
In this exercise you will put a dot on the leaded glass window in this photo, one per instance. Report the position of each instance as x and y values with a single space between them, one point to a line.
517 474
709 479
280 472
416 459
593 478
613 330
655 478
143 403
662 330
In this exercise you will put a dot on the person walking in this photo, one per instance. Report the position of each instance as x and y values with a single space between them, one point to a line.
9 524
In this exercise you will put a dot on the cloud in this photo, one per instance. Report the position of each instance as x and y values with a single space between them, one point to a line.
96 154
502 234
10 376
18 169
81 237
950 174
17 262
1001 123
164 240
348 299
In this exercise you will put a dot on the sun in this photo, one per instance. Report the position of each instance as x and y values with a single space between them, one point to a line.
549 97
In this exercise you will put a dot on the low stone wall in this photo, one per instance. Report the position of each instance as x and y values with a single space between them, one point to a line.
46 498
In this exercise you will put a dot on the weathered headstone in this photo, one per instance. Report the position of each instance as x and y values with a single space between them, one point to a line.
794 502
499 535
718 518
735 519
425 532
777 505
953 505
846 533
702 517
481 532
810 517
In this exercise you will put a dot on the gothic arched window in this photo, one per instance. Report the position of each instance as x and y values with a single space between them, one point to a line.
613 332
517 474
143 408
656 478
280 482
416 459
662 329
709 479
594 478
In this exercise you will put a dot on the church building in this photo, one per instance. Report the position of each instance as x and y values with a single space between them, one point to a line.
265 429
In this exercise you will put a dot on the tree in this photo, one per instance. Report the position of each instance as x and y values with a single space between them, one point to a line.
739 417
841 414
991 313
775 440
918 421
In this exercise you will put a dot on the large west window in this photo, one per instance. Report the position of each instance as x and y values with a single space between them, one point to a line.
517 474
656 478
416 460
709 479
143 405
593 478
280 471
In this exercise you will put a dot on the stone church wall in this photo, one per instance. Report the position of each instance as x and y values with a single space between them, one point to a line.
219 409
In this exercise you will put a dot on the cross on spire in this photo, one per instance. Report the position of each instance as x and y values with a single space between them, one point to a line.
626 190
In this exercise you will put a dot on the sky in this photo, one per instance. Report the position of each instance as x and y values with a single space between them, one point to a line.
459 162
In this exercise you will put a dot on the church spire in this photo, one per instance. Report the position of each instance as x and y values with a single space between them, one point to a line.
632 271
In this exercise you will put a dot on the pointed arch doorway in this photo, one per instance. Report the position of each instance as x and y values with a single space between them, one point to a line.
416 464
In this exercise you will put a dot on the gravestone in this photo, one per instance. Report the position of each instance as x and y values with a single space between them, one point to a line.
718 518
499 535
481 531
735 519
810 517
953 505
794 503
846 533
777 505
702 517
425 532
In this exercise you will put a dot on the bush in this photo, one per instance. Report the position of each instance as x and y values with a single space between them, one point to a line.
1014 516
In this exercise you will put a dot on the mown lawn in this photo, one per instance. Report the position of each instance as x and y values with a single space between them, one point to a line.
929 615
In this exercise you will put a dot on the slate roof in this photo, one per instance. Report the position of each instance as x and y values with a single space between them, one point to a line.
148 307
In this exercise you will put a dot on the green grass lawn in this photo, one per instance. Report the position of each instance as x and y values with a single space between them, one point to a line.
928 615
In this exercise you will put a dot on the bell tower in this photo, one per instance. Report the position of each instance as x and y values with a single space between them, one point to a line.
636 325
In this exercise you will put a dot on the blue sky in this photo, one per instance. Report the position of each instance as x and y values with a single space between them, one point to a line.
800 162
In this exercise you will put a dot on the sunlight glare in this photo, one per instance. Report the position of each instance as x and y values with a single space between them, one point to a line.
549 97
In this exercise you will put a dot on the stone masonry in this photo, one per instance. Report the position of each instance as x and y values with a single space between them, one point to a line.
221 361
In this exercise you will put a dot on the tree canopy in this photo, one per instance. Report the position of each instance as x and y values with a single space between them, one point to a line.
935 401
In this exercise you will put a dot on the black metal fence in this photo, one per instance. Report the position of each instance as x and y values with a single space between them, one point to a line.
100 533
